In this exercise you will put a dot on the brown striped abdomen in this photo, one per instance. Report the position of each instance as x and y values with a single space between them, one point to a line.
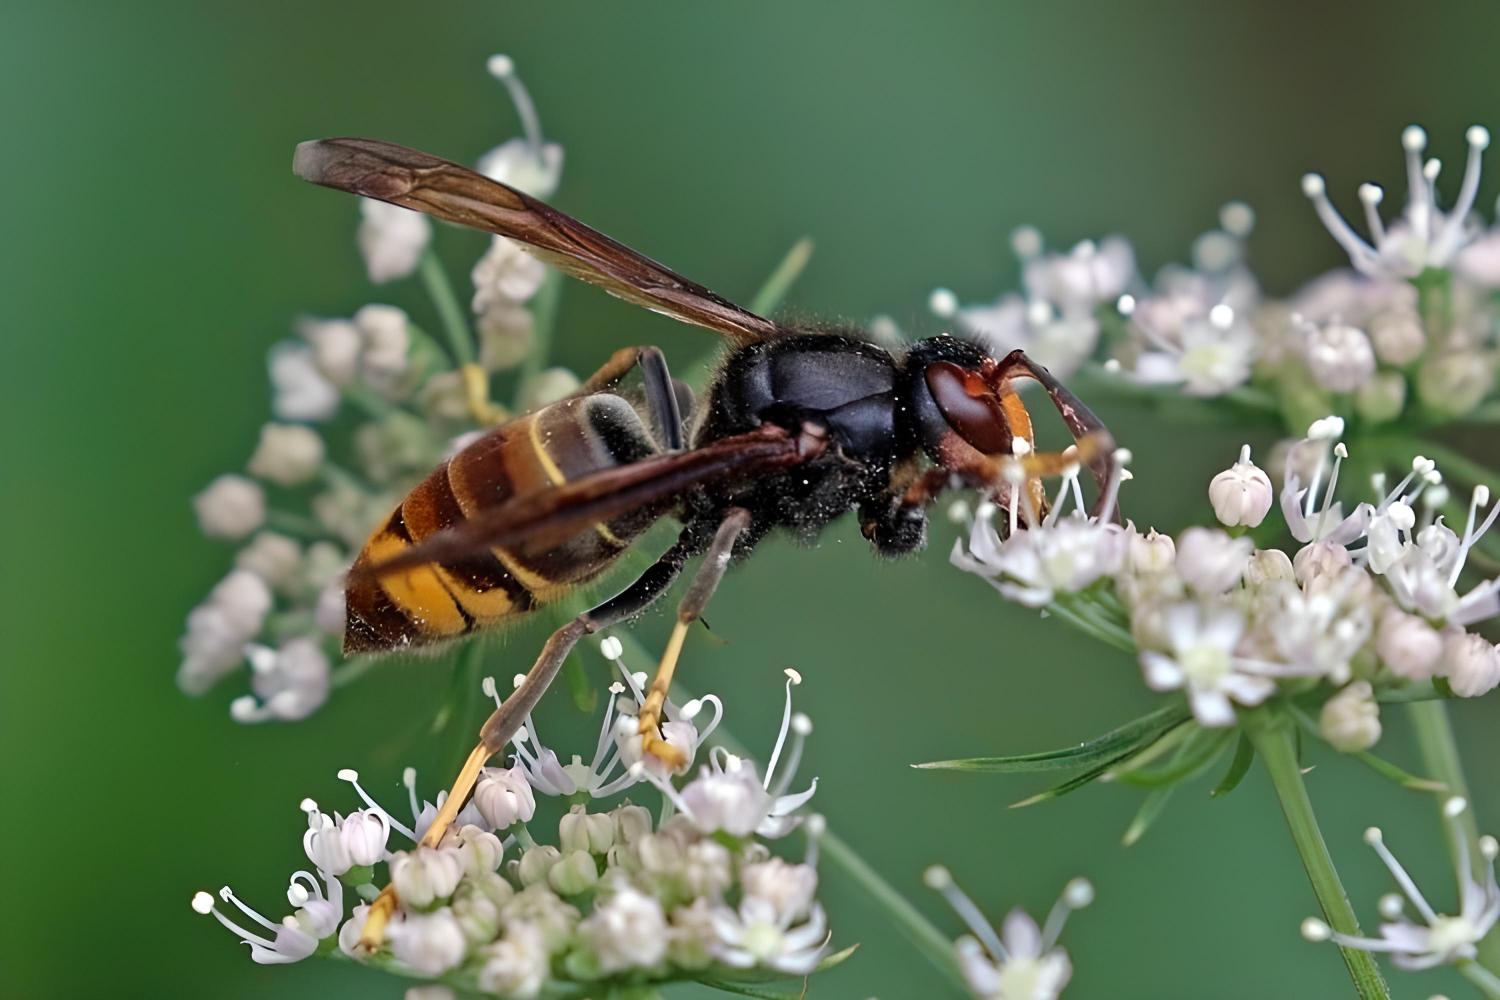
441 601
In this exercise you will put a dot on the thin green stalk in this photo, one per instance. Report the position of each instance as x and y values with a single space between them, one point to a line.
781 280
1484 980
1440 759
455 326
928 939
1084 619
1273 738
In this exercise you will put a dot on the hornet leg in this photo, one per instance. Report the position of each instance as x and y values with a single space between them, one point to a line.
710 572
506 719
661 397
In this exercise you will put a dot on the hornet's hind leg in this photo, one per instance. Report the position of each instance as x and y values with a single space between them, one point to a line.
506 719
705 582
660 389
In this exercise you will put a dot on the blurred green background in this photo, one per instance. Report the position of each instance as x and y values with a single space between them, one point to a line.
158 244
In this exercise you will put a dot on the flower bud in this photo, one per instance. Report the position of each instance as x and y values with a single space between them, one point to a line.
1320 560
230 507
789 888
275 558
503 797
478 915
492 885
580 830
1398 337
287 454
1267 566
325 847
391 239
1350 720
479 850
425 874
1471 664
626 931
431 943
518 965
1151 553
546 386
1339 356
364 833
1382 398
576 872
632 823
536 862
1453 384
1408 646
1210 561
1241 494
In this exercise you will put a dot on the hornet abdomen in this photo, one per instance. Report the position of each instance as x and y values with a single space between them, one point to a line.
440 601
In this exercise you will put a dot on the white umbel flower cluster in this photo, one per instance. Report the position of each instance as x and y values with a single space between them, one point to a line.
620 897
1372 600
310 494
1411 329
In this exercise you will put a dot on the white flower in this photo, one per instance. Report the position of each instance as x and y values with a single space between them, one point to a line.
431 943
628 930
1210 560
230 507
1308 522
787 888
1435 938
1151 553
480 850
386 335
336 345
1408 646
391 239
300 390
1061 343
528 164
1083 279
755 936
287 454
729 796
1241 494
505 276
1425 576
517 965
218 629
1268 566
1350 720
364 833
1423 237
297 936
503 797
1397 336
1023 961
1203 660
289 683
1058 555
1207 354
1470 663
274 558
322 842
581 830
426 874
422 813
1339 356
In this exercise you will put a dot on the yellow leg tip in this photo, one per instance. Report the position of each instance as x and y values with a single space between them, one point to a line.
477 391
373 936
663 751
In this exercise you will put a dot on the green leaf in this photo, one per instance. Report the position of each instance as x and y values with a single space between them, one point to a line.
1111 747
1074 783
1146 815
1244 756
837 958
1391 772
754 990
1198 751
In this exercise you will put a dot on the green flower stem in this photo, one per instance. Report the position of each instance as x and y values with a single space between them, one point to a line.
1483 979
930 941
1272 735
1092 619
543 324
783 278
1439 752
455 326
